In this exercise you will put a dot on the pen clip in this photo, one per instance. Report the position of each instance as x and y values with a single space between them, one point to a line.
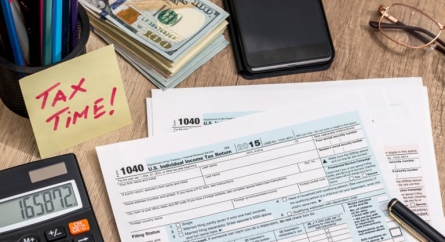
406 226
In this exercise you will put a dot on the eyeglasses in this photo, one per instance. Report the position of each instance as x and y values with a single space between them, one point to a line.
410 27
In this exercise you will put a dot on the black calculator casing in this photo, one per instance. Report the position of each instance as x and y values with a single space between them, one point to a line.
16 180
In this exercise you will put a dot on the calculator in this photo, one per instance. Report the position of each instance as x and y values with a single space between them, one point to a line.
44 201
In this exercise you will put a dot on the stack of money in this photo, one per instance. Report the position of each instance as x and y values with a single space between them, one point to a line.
166 40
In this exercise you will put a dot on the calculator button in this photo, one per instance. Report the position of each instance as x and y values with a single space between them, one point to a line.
56 233
79 227
84 238
29 238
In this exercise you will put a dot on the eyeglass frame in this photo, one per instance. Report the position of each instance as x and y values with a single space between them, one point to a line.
410 29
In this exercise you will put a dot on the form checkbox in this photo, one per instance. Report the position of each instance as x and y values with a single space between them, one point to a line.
284 199
289 213
179 229
178 225
395 232
180 235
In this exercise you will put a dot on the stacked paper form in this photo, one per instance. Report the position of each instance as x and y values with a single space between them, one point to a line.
291 162
401 119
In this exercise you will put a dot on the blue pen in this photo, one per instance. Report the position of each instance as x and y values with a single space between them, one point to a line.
47 32
56 45
13 38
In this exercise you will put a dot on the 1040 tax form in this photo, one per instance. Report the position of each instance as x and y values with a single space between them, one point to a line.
291 174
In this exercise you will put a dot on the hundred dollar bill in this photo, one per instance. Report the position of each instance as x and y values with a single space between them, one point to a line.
169 27
161 82
164 83
166 69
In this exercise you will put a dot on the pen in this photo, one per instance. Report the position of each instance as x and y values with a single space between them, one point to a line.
413 223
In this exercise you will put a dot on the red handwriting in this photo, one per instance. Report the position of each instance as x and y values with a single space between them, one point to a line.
60 95
113 95
71 117
45 94
78 88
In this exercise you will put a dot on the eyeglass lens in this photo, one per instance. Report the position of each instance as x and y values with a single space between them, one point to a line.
414 28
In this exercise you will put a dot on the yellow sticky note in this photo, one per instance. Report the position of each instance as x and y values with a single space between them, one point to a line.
76 101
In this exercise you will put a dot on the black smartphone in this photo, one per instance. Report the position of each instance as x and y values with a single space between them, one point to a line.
280 34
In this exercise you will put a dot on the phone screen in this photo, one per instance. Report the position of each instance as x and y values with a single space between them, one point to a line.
275 32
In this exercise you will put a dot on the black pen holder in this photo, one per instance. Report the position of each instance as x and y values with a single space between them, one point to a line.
10 73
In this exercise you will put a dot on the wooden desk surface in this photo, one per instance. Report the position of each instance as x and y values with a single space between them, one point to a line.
360 53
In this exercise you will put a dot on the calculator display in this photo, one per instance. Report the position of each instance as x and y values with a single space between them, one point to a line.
42 203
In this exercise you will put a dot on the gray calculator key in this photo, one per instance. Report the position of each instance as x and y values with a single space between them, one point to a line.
55 233
84 238
29 238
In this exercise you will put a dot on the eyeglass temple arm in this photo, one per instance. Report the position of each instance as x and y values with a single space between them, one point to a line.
411 30
399 25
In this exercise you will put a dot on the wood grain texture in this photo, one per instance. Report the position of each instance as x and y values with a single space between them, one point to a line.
361 53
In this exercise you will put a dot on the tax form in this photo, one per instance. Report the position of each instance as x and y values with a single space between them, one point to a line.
291 174
176 115
406 136
409 158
